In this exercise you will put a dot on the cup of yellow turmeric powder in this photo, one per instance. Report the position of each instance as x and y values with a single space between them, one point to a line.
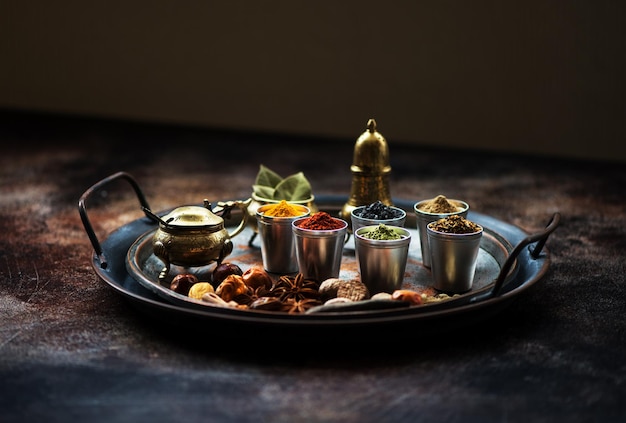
278 248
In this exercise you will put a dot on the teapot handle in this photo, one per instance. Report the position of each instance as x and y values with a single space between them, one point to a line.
226 206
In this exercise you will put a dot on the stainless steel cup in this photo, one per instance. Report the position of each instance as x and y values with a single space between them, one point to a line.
424 218
278 247
319 252
382 262
453 259
359 222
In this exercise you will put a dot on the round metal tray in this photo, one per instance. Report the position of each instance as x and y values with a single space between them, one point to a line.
144 266
510 262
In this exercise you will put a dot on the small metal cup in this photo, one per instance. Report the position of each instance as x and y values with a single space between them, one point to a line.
382 262
424 218
359 222
319 252
453 258
277 242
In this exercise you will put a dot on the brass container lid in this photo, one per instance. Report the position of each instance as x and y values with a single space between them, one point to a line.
371 152
370 171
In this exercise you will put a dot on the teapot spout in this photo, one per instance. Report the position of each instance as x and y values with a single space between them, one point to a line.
225 207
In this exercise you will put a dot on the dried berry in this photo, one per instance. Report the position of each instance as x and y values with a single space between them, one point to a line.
223 270
183 282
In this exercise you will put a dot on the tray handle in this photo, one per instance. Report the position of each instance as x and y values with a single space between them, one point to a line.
83 210
540 238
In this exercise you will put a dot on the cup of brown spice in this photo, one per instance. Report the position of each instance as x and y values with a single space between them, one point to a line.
454 246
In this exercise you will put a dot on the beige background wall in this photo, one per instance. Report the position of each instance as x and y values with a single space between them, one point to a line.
537 76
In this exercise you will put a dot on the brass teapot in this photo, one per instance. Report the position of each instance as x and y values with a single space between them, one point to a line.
193 236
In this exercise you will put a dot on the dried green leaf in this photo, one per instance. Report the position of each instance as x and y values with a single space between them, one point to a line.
263 191
294 188
267 177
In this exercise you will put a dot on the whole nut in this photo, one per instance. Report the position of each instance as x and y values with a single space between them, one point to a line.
256 277
230 287
352 289
408 296
199 289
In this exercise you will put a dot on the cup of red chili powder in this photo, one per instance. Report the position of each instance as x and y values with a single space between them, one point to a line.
319 245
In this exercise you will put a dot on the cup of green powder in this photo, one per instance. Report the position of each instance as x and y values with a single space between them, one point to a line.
382 253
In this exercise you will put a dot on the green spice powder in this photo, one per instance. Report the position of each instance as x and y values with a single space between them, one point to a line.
382 232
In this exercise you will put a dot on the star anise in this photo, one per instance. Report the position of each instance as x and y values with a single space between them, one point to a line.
295 287
251 295
294 306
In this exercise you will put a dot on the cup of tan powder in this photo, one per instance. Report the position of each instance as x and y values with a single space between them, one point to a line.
431 210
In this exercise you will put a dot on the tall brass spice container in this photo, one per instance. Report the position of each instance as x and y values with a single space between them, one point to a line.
370 171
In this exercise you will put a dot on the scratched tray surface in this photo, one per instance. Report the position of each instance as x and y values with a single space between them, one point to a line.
144 266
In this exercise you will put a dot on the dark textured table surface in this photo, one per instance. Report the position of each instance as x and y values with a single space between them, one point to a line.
73 349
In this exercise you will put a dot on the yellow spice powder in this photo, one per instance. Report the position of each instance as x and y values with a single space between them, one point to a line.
282 209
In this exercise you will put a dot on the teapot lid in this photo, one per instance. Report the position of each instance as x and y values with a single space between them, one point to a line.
192 216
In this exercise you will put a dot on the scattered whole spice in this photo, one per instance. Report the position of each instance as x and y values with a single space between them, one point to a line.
182 283
439 204
282 209
378 211
455 224
382 232
321 221
198 289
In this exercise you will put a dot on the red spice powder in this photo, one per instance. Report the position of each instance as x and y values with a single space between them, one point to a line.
320 221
